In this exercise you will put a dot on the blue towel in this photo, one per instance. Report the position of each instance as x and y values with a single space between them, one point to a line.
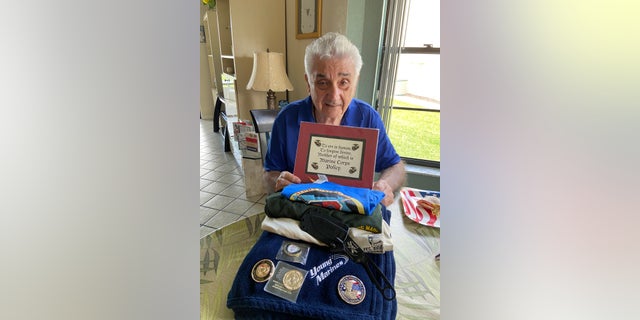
335 196
318 297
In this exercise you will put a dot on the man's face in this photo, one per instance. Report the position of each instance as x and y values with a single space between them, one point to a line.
332 87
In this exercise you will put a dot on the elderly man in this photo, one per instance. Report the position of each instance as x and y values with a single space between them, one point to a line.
332 67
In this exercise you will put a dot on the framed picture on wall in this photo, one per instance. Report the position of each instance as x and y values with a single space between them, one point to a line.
308 19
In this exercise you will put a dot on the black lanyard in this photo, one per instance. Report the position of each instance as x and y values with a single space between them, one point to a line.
335 234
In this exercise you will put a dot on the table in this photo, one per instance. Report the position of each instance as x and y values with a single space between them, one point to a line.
417 280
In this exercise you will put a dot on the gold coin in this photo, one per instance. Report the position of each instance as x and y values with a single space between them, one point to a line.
262 270
292 279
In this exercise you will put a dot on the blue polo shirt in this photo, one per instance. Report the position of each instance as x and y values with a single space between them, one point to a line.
281 153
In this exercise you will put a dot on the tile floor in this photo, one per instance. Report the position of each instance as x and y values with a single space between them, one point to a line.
222 194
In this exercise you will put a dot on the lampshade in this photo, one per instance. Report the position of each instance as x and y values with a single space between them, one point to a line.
269 73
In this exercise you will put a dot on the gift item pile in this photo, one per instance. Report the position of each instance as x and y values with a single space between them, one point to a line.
325 253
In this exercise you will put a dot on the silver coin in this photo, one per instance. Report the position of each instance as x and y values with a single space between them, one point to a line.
292 249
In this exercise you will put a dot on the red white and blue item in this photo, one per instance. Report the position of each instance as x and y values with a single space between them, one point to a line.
414 211
351 289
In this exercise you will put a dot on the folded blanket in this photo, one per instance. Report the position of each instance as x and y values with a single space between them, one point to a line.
277 206
368 241
335 196
319 296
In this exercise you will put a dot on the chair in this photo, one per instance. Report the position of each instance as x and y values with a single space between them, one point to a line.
263 123
220 121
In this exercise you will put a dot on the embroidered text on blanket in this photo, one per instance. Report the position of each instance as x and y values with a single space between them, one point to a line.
324 270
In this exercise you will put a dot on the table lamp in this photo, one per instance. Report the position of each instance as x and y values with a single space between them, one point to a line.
269 75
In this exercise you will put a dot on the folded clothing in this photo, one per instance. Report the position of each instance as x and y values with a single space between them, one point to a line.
319 296
278 206
369 242
335 196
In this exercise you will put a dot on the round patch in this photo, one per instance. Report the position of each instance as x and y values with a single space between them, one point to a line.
262 270
292 279
292 249
351 289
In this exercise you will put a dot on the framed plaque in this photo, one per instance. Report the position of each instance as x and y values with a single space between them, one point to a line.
308 19
345 155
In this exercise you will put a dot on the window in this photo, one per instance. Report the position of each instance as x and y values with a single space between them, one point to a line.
409 82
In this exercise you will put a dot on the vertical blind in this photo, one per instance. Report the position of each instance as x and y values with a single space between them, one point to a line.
393 42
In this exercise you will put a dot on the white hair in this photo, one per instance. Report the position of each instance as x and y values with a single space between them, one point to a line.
331 45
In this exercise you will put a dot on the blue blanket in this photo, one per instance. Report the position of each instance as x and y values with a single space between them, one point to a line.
318 297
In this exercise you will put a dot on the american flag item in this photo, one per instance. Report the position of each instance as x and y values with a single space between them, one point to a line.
415 212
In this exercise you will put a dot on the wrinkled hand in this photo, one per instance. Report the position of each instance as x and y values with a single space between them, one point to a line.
286 178
388 192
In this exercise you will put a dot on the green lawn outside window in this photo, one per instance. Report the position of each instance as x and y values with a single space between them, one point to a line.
415 134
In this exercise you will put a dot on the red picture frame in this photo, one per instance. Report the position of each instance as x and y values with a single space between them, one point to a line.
345 155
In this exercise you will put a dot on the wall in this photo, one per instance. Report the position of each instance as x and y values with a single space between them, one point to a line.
246 21
367 17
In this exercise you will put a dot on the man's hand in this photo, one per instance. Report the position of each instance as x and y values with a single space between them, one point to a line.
284 179
391 179
383 186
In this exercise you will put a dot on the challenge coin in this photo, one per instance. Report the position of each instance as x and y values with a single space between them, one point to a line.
292 249
262 270
292 279
351 289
